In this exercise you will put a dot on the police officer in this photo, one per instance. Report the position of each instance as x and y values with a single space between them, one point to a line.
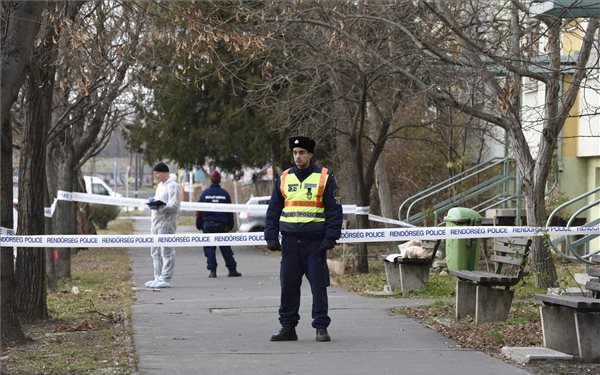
304 208
216 222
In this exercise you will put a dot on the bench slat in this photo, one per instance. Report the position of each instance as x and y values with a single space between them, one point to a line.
506 259
515 241
487 278
576 302
593 286
594 271
429 245
516 249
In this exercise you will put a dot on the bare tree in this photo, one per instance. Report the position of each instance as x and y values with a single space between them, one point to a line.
31 262
329 64
20 23
328 71
10 326
19 26
499 42
98 52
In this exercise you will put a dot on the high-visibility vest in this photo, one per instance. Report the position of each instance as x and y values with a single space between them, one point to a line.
303 200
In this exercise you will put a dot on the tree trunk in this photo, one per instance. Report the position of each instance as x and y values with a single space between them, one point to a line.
66 212
541 256
385 196
20 23
534 184
51 278
10 331
362 221
52 155
31 265
381 181
31 262
19 28
346 175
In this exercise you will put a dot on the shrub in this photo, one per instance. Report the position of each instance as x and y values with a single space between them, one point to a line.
101 214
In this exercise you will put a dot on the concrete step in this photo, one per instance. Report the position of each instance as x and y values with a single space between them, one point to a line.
534 353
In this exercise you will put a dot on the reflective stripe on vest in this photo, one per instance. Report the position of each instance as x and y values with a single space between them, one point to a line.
303 200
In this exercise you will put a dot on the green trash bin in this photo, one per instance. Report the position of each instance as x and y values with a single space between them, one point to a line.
462 253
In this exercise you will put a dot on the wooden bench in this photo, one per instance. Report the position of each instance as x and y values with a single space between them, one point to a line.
408 274
593 286
571 324
487 295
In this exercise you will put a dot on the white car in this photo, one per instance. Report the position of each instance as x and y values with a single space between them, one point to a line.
253 220
95 185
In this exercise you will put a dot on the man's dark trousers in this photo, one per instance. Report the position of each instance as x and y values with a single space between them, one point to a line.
210 251
301 255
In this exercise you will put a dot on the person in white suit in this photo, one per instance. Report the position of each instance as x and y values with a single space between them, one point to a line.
164 210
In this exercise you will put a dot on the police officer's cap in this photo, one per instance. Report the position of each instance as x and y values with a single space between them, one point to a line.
215 177
302 142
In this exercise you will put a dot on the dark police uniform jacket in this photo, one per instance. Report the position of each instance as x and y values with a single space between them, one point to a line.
325 222
214 194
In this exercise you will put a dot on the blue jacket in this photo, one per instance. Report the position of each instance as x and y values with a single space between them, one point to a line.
330 229
214 194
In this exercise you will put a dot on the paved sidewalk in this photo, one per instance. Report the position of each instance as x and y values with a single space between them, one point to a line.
223 326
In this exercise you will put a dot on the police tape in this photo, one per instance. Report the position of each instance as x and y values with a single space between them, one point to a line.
386 220
257 238
347 209
184 206
6 231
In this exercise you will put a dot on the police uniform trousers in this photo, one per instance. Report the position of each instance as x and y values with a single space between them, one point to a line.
210 251
302 256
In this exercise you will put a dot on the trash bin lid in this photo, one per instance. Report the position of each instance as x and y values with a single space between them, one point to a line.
462 215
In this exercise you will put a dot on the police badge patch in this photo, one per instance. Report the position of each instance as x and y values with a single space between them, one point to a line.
337 194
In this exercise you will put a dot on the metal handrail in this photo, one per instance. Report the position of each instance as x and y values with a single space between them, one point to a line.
585 240
476 191
570 202
473 171
471 193
496 201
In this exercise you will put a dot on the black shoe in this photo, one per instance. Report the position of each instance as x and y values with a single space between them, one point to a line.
212 274
234 273
285 334
322 335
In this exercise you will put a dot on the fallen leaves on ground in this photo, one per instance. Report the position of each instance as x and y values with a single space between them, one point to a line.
522 329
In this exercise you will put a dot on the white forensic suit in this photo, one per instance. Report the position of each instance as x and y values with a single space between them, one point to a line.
164 221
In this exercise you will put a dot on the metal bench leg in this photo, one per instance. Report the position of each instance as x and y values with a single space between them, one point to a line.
492 304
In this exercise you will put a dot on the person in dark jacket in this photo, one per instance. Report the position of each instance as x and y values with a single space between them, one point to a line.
305 210
216 222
